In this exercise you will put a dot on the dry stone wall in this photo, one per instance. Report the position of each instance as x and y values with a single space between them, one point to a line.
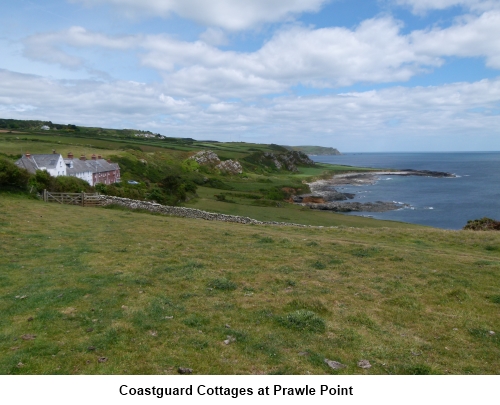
189 212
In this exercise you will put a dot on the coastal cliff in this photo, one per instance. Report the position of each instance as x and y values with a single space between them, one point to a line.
315 150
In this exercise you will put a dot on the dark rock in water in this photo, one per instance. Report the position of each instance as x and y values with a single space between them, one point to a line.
377 206
322 197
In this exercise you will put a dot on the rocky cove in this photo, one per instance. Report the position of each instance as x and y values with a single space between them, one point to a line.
324 195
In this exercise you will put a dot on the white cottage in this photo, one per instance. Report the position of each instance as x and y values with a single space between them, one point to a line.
54 163
93 171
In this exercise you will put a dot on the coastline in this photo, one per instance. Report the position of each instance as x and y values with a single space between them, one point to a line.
324 195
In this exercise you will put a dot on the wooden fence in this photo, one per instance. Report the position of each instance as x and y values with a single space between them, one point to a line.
82 199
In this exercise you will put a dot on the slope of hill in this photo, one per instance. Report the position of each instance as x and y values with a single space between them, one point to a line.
268 176
99 291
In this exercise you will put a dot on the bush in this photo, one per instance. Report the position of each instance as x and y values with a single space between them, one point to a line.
42 180
12 176
69 184
190 165
275 194
177 187
483 224
101 188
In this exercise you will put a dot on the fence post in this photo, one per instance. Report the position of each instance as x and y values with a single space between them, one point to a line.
45 195
83 199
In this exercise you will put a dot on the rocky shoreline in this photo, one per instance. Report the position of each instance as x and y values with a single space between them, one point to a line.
324 196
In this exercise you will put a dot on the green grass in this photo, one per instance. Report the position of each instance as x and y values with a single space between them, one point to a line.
153 293
286 212
251 194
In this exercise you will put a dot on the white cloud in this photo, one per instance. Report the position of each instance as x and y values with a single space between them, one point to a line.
106 104
471 36
422 115
47 47
214 36
228 14
373 52
421 6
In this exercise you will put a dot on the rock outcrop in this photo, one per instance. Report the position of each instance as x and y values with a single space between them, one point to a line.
280 161
377 206
230 167
206 157
210 158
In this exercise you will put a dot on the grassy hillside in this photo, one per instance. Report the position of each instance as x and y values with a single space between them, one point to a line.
258 192
100 291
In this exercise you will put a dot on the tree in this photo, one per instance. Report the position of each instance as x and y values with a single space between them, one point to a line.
12 176
177 187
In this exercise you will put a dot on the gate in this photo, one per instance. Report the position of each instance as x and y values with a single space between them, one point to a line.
82 199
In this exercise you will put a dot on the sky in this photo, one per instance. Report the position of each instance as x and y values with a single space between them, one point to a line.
357 75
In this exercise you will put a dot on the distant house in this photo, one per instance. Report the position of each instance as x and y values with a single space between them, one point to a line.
53 163
93 171
45 127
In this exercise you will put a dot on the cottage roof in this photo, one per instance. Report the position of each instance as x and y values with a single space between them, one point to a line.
36 162
93 166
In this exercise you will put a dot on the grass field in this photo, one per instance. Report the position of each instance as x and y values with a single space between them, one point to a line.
286 212
100 291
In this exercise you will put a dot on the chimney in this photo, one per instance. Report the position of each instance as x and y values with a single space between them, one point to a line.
70 155
109 160
83 157
99 157
54 151
28 155
94 156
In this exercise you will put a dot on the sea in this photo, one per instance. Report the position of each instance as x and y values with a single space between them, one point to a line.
446 203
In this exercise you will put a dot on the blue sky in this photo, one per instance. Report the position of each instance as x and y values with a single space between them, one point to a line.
359 75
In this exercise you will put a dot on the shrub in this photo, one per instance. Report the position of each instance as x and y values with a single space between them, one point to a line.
12 176
483 224
42 180
303 320
177 187
190 165
275 194
101 188
70 184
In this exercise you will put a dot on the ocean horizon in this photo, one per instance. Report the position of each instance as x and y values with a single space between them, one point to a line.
446 203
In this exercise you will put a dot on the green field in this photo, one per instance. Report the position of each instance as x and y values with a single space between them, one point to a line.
162 156
102 291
